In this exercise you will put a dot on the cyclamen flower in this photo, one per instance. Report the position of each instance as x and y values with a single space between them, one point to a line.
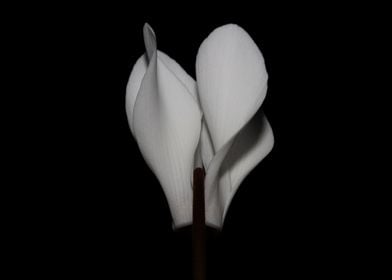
214 123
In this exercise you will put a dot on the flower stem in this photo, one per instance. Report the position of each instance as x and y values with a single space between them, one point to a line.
198 226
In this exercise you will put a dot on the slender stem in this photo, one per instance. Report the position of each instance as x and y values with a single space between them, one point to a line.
198 226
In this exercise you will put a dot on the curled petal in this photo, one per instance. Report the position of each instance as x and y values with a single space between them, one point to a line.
233 163
231 78
251 146
166 123
232 84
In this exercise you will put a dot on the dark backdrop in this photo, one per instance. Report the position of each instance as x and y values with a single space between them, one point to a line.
100 210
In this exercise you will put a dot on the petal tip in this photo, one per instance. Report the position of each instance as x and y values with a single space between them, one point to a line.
232 26
147 28
149 40
229 29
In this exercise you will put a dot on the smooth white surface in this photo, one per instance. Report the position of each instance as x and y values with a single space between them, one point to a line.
166 123
231 78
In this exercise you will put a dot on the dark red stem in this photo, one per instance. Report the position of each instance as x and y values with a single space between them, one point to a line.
198 226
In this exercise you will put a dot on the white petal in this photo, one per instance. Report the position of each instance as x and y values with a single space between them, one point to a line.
217 188
133 86
231 78
251 146
137 74
232 163
166 123
204 152
180 73
232 83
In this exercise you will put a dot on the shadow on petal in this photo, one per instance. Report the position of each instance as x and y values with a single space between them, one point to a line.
250 146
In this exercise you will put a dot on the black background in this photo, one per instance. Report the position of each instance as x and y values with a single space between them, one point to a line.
95 208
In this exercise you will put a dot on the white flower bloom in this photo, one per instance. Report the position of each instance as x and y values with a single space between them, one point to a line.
216 124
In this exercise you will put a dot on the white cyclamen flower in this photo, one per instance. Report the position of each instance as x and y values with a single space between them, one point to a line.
215 123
